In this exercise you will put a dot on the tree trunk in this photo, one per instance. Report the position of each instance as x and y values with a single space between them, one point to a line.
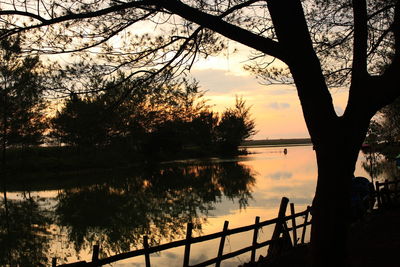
337 140
331 206
336 155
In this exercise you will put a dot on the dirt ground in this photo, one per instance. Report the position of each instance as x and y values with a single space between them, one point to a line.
374 242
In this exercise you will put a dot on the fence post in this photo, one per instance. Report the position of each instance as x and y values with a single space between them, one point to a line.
95 255
278 226
255 235
294 229
146 250
54 262
303 234
187 245
222 244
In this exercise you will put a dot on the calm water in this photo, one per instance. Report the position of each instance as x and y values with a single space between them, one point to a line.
117 210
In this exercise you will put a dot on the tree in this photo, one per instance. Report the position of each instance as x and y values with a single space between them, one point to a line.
22 104
234 127
81 122
203 129
322 43
383 134
386 127
127 113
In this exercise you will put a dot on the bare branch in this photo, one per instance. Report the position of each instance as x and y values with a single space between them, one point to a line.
224 28
23 14
70 16
104 40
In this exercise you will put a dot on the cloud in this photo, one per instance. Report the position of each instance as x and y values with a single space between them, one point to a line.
274 201
283 90
277 105
280 175
219 81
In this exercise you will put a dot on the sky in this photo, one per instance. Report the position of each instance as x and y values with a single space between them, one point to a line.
275 108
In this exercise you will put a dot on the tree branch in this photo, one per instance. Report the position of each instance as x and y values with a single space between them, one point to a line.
396 29
391 78
24 14
69 16
360 39
392 71
215 23
104 40
294 37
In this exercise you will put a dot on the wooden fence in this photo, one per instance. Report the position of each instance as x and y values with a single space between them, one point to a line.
387 193
283 237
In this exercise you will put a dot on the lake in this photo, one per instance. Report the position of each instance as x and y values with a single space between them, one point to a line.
157 200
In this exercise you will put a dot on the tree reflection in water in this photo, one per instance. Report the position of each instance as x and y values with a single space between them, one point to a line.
24 240
380 166
157 202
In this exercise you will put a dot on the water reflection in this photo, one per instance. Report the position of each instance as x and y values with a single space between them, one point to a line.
157 201
24 239
379 166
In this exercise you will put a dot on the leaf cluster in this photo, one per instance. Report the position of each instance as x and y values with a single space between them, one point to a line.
156 117
22 106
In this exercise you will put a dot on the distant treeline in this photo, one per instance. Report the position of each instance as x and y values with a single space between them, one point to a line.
277 142
158 117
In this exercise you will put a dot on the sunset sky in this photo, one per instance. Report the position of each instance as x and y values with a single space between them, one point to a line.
275 108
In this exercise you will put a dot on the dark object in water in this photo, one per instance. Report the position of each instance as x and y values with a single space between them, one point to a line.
285 151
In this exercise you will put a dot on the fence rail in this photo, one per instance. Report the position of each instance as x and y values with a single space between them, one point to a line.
281 233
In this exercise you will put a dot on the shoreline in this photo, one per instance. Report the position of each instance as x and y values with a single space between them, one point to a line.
277 142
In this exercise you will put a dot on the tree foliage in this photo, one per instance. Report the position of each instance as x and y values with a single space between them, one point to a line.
150 118
22 104
383 136
80 123
235 126
387 126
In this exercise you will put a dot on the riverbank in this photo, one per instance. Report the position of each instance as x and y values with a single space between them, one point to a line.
277 142
45 163
31 162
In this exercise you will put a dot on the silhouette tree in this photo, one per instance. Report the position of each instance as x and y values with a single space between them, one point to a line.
321 42
81 122
154 115
21 92
203 129
234 127
386 127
